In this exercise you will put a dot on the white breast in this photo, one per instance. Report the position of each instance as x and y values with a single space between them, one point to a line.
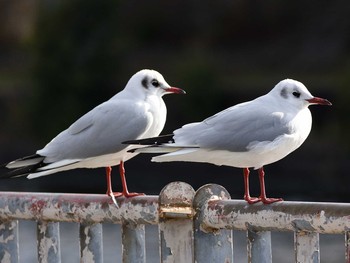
155 106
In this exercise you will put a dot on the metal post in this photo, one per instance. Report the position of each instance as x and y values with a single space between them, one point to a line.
91 243
259 246
306 246
133 243
9 241
175 223
210 245
347 247
49 248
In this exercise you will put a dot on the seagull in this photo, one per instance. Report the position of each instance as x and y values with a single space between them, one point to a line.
95 139
248 135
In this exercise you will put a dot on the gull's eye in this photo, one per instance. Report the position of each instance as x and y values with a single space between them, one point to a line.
155 83
296 94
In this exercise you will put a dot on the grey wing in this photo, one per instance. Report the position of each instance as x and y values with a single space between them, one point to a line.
99 132
234 129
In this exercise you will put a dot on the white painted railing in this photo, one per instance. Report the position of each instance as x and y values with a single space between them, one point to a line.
193 226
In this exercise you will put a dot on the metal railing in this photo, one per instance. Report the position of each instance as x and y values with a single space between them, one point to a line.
193 226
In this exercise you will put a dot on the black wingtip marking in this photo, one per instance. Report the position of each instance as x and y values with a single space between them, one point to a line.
153 141
25 170
22 171
33 156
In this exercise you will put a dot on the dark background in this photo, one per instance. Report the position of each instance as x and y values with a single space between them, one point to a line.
59 59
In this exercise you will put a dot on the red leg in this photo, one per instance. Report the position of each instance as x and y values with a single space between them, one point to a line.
124 185
250 200
263 197
109 183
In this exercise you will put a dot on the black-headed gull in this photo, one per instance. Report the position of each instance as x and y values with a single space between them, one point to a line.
94 140
250 134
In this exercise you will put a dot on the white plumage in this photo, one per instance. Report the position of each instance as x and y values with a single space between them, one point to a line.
94 140
250 134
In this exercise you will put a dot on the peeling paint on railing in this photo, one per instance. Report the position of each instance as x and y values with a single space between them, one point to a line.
49 248
9 240
78 208
193 226
330 218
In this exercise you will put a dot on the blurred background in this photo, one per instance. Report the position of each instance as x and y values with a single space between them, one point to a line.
59 59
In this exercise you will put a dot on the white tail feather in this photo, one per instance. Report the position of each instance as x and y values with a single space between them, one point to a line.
54 168
173 156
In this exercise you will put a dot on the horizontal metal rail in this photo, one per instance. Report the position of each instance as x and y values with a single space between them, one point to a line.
80 208
325 218
194 226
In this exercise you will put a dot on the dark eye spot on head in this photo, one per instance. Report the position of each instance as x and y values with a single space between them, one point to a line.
144 82
284 93
296 94
155 83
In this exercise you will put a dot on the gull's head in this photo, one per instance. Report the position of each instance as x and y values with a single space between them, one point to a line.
294 93
151 82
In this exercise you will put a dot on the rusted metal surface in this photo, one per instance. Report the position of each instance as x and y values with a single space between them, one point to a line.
79 208
331 218
210 244
9 241
175 223
347 247
193 227
259 246
133 243
306 247
91 243
49 248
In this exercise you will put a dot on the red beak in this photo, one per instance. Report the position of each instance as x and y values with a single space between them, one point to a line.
175 90
320 101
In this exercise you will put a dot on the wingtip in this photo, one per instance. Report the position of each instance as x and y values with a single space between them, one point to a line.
131 142
152 141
